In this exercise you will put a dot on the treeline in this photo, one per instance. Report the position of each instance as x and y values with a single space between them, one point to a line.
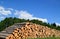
10 21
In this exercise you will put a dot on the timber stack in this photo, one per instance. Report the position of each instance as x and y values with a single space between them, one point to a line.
31 30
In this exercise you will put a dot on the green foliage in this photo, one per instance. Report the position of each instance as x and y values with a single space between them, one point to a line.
10 21
36 21
58 27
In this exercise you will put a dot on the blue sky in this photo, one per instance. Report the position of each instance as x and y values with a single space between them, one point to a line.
45 10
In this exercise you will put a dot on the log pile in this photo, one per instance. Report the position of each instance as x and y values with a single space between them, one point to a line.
31 30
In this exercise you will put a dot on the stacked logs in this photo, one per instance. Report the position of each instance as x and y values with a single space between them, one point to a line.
31 30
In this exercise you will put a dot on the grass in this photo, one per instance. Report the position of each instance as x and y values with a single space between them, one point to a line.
46 38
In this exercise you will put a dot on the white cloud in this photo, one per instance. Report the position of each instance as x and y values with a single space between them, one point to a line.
26 15
10 9
3 11
2 18
19 14
57 24
6 12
